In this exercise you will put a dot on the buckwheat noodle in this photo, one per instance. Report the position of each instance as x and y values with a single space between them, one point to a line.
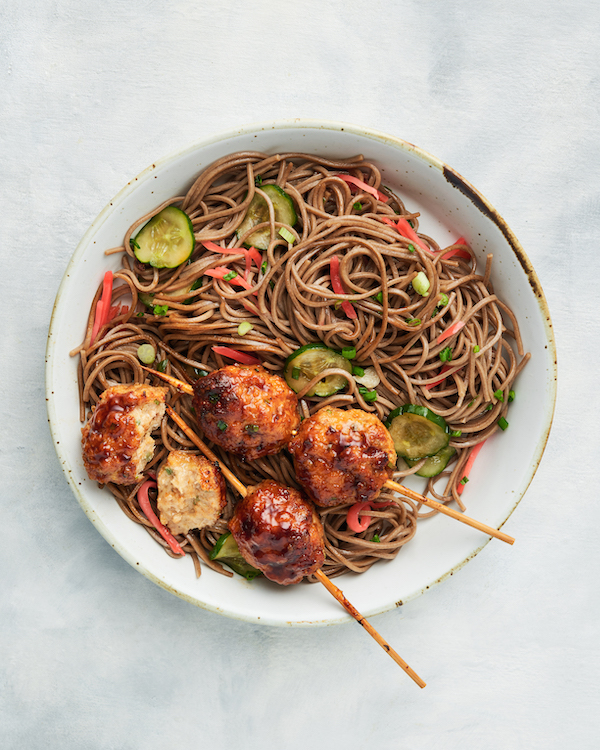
291 302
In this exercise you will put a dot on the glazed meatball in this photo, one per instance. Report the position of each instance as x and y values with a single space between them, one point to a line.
246 410
191 492
342 456
116 441
278 531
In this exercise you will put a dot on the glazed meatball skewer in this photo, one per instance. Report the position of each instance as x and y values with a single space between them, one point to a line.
240 443
280 500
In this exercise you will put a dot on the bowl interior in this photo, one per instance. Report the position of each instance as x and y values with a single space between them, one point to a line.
449 208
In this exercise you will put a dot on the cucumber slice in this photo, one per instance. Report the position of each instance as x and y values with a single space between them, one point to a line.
167 240
308 361
417 432
228 553
435 464
258 211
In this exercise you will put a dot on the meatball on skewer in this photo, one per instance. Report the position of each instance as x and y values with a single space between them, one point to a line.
278 531
342 456
243 409
117 439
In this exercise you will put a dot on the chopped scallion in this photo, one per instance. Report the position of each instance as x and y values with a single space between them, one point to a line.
414 321
295 373
358 371
456 433
222 425
370 396
229 276
464 480
160 310
287 235
349 352
244 327
252 427
499 395
358 206
421 284
411 248
511 395
502 423
446 354
146 353
162 366
475 349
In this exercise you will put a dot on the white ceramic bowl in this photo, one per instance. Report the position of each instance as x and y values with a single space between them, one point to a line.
450 207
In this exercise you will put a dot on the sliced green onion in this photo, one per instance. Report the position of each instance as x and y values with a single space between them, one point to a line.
263 267
160 310
146 353
252 427
287 235
475 349
378 298
358 206
446 354
511 395
411 247
244 327
358 371
464 480
229 276
162 366
414 321
499 395
295 373
258 180
376 538
349 352
502 423
456 433
421 284
489 407
370 396
444 299
222 425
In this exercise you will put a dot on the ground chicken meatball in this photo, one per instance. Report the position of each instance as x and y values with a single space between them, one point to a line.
191 492
342 456
116 441
246 410
278 531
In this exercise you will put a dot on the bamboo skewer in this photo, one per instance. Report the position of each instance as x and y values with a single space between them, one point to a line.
449 511
331 587
415 496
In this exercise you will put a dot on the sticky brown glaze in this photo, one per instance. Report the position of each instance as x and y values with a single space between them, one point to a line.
278 531
116 441
342 456
246 410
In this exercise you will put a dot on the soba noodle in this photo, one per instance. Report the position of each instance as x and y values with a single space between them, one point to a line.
291 302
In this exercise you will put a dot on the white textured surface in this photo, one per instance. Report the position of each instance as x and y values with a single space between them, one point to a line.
93 655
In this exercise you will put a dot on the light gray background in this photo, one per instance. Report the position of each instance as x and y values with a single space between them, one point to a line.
93 655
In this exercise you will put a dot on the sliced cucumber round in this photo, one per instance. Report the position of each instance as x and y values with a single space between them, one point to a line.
308 361
167 240
228 553
417 432
435 464
258 212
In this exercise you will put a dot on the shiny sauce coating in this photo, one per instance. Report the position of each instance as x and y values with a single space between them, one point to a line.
278 531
